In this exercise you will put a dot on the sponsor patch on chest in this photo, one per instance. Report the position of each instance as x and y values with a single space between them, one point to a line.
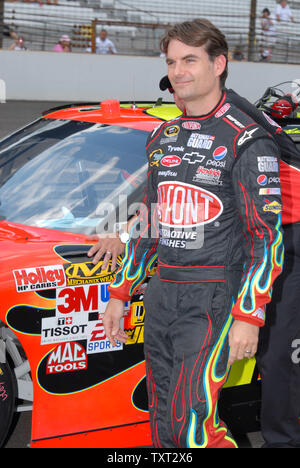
185 205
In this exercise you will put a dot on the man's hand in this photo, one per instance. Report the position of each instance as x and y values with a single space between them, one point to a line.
111 321
243 340
108 246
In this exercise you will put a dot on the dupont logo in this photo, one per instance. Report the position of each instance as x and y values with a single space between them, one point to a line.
185 205
47 277
170 161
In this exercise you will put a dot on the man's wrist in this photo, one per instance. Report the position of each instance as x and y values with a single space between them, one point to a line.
122 232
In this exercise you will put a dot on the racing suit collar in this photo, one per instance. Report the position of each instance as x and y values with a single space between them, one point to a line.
210 114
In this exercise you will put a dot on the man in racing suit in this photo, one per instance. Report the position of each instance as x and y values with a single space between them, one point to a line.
204 201
278 351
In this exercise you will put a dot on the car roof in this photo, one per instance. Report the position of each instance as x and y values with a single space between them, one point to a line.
143 116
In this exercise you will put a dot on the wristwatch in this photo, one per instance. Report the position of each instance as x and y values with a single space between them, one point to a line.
124 236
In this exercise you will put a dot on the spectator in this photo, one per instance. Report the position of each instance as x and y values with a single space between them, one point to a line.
64 44
18 44
104 45
268 32
283 12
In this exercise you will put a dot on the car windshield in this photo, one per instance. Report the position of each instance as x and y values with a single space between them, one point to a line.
70 175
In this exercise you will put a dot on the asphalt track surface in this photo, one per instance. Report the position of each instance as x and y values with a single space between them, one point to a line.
15 115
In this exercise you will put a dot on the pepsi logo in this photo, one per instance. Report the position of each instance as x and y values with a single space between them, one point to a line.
220 153
262 179
170 161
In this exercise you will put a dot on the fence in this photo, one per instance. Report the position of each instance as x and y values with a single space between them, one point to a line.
135 26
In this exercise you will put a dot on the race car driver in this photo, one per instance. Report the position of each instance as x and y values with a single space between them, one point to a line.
203 183
278 351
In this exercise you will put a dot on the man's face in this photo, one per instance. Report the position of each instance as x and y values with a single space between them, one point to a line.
103 35
191 72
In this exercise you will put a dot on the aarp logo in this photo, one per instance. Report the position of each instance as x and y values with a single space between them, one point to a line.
2 92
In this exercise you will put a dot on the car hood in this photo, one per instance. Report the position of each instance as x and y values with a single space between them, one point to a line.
23 246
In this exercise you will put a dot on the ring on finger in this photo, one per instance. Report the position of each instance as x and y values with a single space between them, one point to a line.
108 253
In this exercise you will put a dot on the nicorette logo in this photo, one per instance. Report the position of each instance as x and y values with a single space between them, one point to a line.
185 205
220 153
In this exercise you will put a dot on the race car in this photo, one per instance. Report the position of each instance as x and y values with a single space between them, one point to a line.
76 171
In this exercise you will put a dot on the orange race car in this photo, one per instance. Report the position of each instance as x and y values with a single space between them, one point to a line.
71 173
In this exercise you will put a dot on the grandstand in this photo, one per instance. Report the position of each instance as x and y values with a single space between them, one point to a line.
135 26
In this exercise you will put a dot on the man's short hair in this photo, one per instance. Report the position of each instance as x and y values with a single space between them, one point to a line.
199 32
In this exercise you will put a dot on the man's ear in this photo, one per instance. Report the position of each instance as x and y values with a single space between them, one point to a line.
220 64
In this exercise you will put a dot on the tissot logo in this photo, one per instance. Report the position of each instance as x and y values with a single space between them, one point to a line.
185 205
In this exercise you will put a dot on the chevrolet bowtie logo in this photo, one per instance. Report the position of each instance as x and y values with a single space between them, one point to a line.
193 157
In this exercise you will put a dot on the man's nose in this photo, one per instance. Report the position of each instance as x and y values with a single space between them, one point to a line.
178 69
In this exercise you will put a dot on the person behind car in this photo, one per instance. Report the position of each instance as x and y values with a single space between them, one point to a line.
186 347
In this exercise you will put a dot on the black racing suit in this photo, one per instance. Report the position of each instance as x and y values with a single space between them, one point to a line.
216 234
278 354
